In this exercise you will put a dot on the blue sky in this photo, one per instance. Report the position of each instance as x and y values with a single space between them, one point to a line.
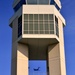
6 11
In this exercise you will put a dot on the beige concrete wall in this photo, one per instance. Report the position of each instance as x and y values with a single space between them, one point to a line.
19 62
54 59
37 9
56 54
15 30
14 47
22 59
19 65
47 36
61 48
20 51
14 59
42 9
13 66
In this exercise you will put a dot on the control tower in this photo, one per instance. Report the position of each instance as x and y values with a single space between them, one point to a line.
37 38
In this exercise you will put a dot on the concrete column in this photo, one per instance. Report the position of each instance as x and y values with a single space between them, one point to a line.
14 47
56 54
54 59
22 59
19 62
61 48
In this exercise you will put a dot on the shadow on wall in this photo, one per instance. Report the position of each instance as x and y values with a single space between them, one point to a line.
23 49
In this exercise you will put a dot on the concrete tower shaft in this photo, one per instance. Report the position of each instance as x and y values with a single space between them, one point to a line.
37 34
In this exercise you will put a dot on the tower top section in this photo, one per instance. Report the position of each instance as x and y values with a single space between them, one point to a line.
18 3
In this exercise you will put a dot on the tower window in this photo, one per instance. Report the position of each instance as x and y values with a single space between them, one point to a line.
43 2
37 1
38 24
19 26
56 25
31 1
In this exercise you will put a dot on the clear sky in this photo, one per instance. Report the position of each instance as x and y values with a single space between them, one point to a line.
6 11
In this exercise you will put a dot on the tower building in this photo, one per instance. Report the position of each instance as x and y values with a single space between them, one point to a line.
37 38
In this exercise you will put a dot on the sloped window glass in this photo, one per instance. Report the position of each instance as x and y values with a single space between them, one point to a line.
43 2
31 1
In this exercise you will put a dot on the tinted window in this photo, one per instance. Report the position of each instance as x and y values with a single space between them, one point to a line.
20 26
19 5
31 1
43 1
38 24
37 1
